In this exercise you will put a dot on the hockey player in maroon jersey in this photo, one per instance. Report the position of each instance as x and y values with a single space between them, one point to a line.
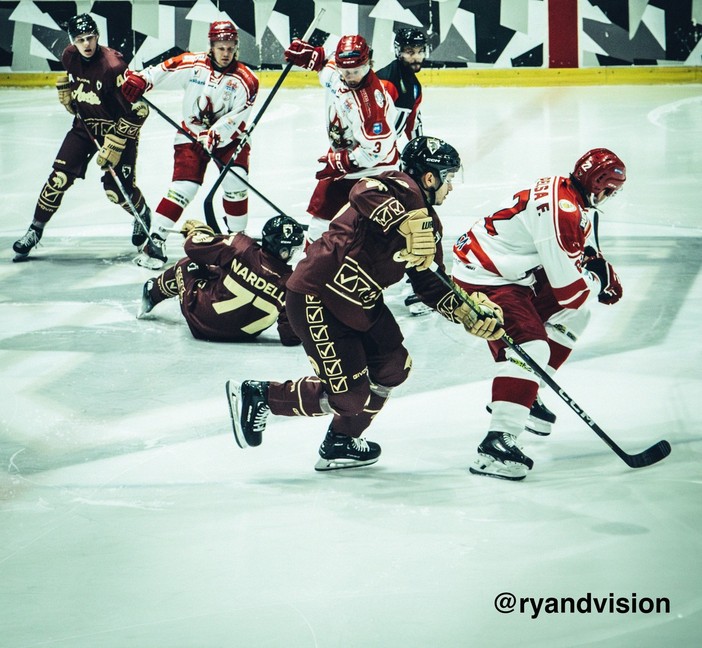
218 95
91 89
538 259
335 305
230 288
400 80
360 124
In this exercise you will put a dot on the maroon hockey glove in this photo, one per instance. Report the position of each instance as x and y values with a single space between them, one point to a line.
305 55
612 290
133 87
336 165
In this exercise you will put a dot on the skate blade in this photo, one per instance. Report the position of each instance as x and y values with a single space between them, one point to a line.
233 397
145 261
539 428
18 258
324 465
487 466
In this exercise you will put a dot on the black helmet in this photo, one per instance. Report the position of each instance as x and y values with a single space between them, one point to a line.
409 37
424 154
280 235
81 24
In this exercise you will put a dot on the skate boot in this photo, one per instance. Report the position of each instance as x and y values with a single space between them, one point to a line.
540 419
23 246
416 306
147 304
499 456
342 451
139 235
248 407
153 255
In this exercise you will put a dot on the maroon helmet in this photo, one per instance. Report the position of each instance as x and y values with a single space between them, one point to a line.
223 30
600 170
351 52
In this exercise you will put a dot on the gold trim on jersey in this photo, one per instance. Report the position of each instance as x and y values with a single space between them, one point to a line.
355 285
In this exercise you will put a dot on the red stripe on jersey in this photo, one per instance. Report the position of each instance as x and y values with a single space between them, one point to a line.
573 295
480 255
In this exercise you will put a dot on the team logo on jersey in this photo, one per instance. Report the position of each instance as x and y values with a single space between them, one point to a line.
566 205
377 128
379 98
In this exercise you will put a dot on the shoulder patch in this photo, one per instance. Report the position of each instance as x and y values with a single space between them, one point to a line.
566 205
379 98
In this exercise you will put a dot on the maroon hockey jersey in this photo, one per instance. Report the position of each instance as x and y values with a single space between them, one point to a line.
243 294
351 264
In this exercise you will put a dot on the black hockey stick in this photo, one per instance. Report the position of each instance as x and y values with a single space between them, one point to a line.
115 176
652 455
246 135
219 164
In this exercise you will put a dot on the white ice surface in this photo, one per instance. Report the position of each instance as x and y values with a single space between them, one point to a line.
129 517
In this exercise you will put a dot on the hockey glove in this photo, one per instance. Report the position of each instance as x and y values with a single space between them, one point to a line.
487 323
63 86
611 291
193 226
418 230
133 86
209 140
111 151
336 165
304 55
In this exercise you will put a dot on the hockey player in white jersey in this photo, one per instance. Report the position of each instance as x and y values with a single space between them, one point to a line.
538 259
219 93
360 124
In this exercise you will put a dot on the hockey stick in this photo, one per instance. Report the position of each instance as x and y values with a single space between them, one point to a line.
219 164
116 178
246 135
652 455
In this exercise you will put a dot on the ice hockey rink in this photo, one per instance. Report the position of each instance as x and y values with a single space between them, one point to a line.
129 517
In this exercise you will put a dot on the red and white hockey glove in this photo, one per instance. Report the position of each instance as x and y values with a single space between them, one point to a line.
133 86
487 323
611 291
63 87
304 55
209 140
336 165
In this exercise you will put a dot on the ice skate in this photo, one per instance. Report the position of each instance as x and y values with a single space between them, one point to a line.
147 303
541 419
24 245
416 306
248 407
153 255
139 235
500 457
341 451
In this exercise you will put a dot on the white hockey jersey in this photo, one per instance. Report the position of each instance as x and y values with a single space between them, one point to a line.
219 101
546 225
361 120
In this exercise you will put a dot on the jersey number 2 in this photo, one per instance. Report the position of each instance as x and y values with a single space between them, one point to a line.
522 199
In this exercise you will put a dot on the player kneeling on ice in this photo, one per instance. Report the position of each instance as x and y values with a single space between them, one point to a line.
230 288
538 258
335 304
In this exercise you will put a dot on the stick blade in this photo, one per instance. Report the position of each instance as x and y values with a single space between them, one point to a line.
648 457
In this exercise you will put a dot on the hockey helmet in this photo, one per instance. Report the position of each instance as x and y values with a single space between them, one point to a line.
409 37
223 30
352 52
280 235
423 154
81 24
597 171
